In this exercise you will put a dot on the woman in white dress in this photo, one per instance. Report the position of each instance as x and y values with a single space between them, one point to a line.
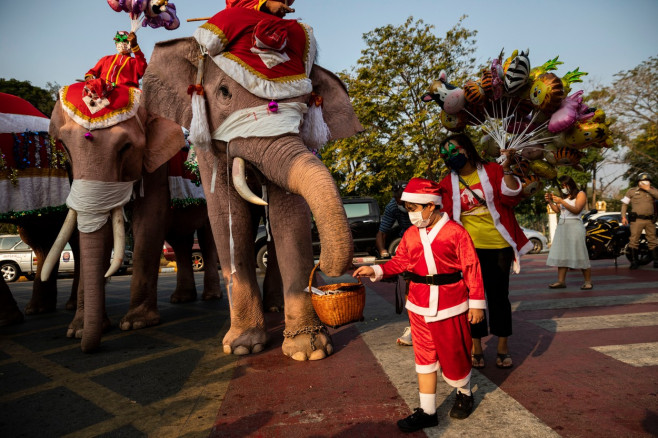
569 249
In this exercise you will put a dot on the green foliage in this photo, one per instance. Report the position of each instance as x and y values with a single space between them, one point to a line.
8 229
401 132
43 99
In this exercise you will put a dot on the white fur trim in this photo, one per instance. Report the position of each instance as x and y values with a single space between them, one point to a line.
421 198
505 190
379 273
33 193
213 43
449 312
427 369
183 188
477 304
458 383
9 122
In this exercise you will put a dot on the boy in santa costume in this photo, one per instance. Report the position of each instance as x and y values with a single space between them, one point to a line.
119 69
445 295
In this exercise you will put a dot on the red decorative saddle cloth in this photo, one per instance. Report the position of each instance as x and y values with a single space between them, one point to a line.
118 105
270 56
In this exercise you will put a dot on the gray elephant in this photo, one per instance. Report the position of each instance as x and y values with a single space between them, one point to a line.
293 176
112 152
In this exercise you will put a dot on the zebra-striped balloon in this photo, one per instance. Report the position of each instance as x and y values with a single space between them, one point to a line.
517 73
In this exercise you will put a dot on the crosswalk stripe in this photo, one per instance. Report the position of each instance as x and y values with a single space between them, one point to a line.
571 303
598 322
637 355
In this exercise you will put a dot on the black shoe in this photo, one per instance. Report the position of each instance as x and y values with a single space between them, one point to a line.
462 407
418 420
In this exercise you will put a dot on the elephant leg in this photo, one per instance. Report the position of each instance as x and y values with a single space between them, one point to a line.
212 289
149 223
185 291
41 238
305 338
247 333
75 247
272 285
9 312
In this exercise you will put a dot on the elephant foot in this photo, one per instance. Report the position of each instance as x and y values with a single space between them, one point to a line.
37 307
240 343
11 317
183 296
211 294
307 343
139 318
76 327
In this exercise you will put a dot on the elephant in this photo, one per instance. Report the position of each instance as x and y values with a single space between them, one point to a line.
107 163
296 181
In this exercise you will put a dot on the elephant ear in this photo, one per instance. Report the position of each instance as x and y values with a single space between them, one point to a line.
164 138
171 70
337 109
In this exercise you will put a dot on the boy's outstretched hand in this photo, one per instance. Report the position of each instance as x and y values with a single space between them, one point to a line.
475 315
363 271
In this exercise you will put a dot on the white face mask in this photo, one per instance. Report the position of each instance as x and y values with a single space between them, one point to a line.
564 191
416 218
123 48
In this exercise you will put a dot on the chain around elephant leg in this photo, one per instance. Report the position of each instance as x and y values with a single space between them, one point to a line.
319 343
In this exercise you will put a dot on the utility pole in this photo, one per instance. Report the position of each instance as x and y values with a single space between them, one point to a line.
593 204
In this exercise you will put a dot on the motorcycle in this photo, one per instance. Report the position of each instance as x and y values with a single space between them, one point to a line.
608 239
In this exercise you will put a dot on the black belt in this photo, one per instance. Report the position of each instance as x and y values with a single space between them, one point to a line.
434 280
645 217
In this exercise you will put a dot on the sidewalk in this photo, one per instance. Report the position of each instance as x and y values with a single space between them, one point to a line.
173 380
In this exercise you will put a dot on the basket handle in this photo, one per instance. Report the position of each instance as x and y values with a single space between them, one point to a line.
310 279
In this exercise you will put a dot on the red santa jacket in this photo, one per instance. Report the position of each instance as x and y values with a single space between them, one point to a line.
444 249
501 201
120 69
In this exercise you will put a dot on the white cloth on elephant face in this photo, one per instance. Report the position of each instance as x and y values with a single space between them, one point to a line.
258 121
94 200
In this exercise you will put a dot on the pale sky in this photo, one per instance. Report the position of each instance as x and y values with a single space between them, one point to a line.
58 41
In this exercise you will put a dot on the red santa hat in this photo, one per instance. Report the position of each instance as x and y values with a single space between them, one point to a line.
422 191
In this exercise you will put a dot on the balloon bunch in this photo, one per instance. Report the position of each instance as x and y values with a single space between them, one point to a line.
527 109
157 13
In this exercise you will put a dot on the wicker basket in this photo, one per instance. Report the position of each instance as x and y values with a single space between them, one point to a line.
339 308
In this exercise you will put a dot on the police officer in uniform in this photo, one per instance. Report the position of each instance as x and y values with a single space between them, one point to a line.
641 200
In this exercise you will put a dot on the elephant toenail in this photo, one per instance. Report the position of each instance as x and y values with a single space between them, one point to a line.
227 349
241 350
300 356
317 355
257 348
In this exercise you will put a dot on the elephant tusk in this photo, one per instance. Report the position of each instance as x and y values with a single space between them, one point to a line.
240 183
119 241
58 246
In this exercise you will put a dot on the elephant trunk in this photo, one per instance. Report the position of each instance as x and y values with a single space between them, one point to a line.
60 242
290 165
94 255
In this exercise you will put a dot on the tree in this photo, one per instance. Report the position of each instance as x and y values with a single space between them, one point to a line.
43 99
632 102
401 132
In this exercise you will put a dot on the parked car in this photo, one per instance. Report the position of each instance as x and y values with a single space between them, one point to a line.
17 258
197 257
538 240
363 216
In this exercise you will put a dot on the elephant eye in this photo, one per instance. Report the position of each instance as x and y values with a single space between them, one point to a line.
224 91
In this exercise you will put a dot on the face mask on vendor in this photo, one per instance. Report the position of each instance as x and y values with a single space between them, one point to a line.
121 42
453 155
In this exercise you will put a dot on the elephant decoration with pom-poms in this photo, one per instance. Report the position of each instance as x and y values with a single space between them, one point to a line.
262 113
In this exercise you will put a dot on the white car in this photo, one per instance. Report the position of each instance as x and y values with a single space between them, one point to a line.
538 240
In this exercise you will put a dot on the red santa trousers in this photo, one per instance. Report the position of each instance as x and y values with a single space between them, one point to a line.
445 345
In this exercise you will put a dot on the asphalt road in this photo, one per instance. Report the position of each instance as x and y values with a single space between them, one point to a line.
586 364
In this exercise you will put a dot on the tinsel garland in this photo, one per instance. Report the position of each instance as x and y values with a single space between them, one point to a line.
13 215
28 145
187 202
192 165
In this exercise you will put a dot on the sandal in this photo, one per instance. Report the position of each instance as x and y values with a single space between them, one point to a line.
587 286
477 360
501 358
557 285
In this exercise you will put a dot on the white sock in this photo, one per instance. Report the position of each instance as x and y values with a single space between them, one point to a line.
428 403
465 389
